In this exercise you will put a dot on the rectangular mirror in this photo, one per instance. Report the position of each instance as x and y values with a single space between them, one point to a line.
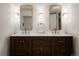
26 17
55 17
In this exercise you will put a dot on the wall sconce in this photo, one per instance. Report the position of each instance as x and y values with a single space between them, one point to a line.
18 14
64 14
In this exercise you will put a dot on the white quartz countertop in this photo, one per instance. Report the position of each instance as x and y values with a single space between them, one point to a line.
41 35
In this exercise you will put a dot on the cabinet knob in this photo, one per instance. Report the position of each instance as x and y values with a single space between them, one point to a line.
21 41
60 41
41 41
41 49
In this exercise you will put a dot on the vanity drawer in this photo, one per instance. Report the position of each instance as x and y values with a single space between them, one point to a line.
60 40
40 46
41 51
20 42
40 42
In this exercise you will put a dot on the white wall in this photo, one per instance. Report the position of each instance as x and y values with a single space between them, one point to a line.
40 18
4 27
8 24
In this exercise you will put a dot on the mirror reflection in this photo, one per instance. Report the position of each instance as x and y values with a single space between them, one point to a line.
26 17
55 17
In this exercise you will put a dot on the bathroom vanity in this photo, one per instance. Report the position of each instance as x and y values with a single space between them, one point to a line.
56 45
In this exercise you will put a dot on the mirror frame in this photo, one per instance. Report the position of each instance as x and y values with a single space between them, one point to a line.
60 17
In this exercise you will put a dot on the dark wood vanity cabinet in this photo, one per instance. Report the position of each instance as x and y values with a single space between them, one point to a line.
41 45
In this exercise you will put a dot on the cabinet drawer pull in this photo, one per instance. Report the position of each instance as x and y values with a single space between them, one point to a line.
41 49
21 41
41 41
60 41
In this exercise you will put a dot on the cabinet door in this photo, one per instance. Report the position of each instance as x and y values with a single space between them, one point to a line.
58 46
52 45
19 46
12 43
40 46
68 45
